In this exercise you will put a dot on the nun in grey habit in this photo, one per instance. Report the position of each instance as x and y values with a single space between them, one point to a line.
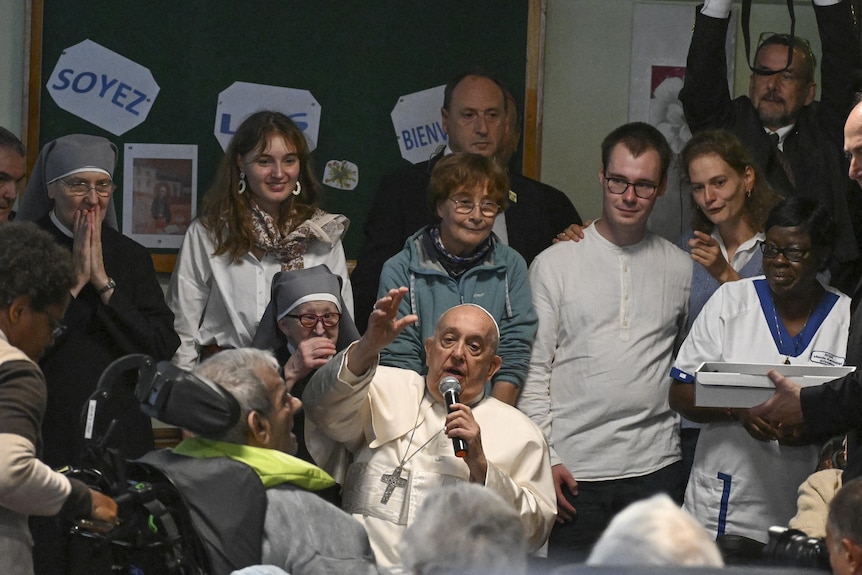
316 292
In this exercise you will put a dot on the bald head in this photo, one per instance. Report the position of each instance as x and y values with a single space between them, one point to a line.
853 143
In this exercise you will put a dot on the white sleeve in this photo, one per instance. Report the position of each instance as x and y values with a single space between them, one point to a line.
717 8
189 291
27 485
535 398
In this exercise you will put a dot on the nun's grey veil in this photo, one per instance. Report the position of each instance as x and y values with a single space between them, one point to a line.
291 287
59 158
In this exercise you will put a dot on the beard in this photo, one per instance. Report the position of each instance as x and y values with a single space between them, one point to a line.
774 112
772 118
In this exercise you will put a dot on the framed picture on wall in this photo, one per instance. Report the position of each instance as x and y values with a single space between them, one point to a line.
159 193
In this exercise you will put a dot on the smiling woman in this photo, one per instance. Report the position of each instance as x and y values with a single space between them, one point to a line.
258 218
459 260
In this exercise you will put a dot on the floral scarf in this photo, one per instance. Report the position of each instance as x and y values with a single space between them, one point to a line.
454 265
289 247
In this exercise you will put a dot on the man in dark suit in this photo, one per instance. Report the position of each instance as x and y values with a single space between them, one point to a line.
834 407
795 140
474 115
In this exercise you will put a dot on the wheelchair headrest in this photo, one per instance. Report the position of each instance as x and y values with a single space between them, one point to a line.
178 397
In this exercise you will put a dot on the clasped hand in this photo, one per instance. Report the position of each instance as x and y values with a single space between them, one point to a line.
87 250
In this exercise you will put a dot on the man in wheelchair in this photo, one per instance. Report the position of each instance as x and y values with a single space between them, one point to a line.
302 533
232 495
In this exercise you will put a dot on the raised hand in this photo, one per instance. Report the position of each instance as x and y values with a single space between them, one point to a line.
383 327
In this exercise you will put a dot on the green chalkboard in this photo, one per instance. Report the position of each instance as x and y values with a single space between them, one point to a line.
356 58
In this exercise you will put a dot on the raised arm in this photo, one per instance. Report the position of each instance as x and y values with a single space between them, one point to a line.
705 94
136 315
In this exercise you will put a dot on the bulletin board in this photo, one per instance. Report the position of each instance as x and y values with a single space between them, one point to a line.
355 57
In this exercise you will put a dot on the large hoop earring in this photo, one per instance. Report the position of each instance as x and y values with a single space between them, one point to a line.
298 189
241 187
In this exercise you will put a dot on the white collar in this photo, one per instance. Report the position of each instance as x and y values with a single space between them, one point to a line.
60 226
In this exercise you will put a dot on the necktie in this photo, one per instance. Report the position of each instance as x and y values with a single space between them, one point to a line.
781 158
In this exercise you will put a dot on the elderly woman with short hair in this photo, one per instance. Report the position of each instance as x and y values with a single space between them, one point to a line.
459 260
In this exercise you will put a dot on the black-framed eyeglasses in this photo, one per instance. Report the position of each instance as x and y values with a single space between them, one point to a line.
330 319
746 36
618 186
486 208
788 41
790 254
81 188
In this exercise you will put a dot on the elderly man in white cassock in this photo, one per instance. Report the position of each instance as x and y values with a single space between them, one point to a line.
401 434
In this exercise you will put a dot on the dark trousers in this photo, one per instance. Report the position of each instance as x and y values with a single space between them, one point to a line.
598 501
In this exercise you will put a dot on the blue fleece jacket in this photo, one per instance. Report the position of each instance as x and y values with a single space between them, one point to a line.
499 283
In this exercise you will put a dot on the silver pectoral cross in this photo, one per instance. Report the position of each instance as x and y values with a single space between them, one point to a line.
392 480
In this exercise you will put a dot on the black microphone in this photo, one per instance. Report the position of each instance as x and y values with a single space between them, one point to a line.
451 390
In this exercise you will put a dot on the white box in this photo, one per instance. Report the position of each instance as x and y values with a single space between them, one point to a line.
720 384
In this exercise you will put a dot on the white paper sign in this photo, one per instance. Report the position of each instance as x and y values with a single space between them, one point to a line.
242 99
416 119
102 87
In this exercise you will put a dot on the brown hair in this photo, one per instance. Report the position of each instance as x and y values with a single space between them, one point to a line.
727 146
638 138
465 171
226 213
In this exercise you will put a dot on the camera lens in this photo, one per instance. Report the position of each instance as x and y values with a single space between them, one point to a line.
792 547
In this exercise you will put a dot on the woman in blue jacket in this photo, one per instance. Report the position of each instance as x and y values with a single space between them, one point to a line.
457 260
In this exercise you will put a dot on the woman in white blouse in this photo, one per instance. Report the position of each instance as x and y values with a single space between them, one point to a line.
259 217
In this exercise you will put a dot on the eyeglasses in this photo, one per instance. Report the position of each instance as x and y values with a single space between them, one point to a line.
643 190
788 41
486 208
81 188
790 254
311 320
57 327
